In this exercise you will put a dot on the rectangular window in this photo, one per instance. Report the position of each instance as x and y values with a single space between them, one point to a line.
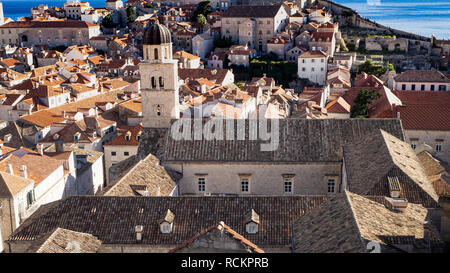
201 184
126 153
432 87
413 87
403 86
442 88
438 147
288 184
113 153
413 145
422 87
244 185
331 185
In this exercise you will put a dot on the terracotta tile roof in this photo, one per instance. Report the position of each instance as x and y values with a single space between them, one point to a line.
42 118
133 133
322 36
134 105
184 54
338 105
221 228
113 219
39 167
96 59
422 76
347 222
60 240
424 117
10 62
370 161
10 185
214 75
423 97
313 54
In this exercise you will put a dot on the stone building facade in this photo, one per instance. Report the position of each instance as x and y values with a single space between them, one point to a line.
253 25
52 33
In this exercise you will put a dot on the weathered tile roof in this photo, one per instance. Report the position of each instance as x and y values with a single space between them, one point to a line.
370 161
223 229
65 241
10 185
422 76
347 222
113 219
252 11
299 141
147 174
48 24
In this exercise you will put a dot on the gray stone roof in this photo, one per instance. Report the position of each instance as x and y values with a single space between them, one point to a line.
300 140
347 222
371 161
252 11
146 175
113 219
65 241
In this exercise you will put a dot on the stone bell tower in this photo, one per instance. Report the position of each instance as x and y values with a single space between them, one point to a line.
159 79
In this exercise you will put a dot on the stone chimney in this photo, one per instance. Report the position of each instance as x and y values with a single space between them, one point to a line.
157 191
41 149
23 171
138 229
444 201
399 204
9 169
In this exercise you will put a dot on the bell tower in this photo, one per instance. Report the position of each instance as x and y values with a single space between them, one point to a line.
159 79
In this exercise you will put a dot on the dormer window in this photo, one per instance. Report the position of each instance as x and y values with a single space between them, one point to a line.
76 137
138 137
7 138
128 136
166 222
252 222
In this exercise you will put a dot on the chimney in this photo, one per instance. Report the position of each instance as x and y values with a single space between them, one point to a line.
157 191
41 149
444 202
23 171
138 229
9 169
399 204
394 187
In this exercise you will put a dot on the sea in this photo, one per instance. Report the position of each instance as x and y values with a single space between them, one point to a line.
424 17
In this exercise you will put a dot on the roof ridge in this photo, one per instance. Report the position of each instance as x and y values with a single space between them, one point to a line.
349 202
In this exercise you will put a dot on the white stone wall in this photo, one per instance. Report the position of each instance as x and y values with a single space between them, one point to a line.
431 138
418 86
120 155
314 69
264 179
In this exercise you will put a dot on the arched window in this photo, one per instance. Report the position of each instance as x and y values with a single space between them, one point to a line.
153 82
156 54
161 82
158 110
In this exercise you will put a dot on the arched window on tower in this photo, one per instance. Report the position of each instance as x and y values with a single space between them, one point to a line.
158 110
156 54
153 82
161 82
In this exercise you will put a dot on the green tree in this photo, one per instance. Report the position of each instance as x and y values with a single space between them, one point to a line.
203 7
223 42
201 21
130 14
108 22
362 102
373 69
